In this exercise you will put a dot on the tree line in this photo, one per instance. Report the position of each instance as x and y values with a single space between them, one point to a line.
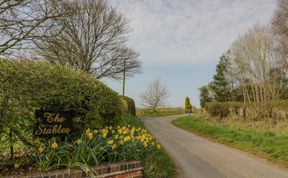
255 68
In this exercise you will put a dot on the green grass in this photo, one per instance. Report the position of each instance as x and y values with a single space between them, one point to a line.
157 165
266 144
141 112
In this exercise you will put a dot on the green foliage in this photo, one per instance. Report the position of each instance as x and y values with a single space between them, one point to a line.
129 105
218 109
28 85
267 144
188 107
220 85
97 146
204 96
223 109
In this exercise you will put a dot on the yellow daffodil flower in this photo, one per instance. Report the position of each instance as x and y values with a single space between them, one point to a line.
110 142
78 142
54 145
127 138
90 135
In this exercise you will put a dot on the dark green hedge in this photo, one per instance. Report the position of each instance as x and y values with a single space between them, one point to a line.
129 105
28 85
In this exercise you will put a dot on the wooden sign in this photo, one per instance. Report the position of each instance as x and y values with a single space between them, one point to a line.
51 124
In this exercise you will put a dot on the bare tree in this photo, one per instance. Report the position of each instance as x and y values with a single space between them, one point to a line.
93 40
253 61
22 21
155 95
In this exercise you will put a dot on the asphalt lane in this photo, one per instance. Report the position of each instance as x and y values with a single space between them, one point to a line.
197 157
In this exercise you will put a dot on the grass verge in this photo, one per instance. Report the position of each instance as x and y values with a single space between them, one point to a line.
157 165
265 144
141 112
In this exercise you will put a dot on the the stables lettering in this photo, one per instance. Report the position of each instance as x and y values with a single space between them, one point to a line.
54 124
47 130
53 117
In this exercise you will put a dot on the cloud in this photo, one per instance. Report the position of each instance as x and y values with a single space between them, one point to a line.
195 32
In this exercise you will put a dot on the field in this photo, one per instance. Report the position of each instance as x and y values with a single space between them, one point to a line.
141 112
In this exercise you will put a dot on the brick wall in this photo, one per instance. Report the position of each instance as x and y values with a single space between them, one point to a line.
130 169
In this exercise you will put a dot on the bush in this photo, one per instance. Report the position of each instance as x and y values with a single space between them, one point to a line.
218 109
27 86
129 105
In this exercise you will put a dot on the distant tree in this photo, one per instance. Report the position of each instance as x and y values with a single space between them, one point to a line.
188 107
93 39
155 95
204 96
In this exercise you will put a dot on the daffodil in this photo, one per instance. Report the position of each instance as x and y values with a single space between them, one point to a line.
114 146
127 138
110 142
54 145
125 132
90 135
88 131
78 142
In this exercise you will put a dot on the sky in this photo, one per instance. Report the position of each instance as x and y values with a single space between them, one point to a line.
180 41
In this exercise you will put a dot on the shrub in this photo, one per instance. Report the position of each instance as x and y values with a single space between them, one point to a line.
27 86
188 107
218 109
129 105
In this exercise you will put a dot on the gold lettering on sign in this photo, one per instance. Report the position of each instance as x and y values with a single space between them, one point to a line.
56 129
53 117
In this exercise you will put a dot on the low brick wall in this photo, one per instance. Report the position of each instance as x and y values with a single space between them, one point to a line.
130 169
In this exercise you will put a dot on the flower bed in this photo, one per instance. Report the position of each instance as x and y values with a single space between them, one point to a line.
93 147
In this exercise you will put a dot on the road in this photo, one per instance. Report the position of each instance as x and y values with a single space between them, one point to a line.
197 157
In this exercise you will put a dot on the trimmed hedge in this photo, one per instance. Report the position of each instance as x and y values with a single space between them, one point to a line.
129 105
28 85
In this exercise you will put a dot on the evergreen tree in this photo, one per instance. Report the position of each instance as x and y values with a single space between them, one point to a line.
188 107
220 86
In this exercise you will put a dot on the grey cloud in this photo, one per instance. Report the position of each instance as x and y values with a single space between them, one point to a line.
189 31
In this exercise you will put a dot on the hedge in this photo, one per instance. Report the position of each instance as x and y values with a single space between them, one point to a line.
129 105
27 86
276 110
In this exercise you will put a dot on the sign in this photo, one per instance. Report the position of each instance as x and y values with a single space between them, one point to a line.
51 124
